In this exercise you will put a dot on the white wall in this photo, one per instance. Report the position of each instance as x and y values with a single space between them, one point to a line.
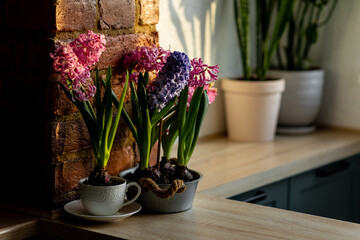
338 52
205 28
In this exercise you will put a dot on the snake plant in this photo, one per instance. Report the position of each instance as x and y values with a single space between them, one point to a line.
272 17
303 32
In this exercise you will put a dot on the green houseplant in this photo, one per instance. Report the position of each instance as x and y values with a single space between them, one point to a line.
302 99
252 101
306 20
170 106
74 60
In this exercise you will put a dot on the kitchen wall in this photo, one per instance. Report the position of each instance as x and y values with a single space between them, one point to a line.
203 29
206 29
338 52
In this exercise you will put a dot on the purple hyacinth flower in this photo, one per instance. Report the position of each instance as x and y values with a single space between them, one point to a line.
171 80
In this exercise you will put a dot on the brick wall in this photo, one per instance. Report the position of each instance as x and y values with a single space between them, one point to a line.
47 147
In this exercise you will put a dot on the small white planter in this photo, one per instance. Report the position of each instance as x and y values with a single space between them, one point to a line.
105 200
252 108
301 100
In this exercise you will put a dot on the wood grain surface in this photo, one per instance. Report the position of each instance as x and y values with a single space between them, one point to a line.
215 218
230 167
16 226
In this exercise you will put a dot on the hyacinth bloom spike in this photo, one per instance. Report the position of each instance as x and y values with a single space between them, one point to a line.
88 48
74 60
145 59
171 80
202 74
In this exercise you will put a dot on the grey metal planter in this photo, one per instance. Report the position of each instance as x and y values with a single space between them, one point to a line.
177 203
301 99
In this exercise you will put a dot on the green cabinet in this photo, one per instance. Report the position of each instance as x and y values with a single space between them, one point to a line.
330 191
272 195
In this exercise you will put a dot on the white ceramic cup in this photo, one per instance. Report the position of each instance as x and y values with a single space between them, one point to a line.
106 200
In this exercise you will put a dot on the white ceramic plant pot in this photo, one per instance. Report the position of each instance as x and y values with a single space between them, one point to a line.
252 108
301 100
106 200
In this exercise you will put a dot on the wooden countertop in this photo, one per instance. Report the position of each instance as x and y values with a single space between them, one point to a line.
210 218
17 226
230 168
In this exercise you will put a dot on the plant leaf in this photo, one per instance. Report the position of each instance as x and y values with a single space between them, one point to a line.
98 105
193 111
182 107
107 100
204 106
117 117
242 22
158 115
169 140
135 108
282 19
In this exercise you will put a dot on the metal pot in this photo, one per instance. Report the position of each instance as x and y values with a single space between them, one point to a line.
177 203
301 100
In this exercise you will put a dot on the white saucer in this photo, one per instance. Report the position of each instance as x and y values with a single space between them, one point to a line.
77 209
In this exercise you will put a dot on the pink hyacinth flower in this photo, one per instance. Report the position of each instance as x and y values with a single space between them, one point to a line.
66 62
88 48
145 59
74 60
202 74
209 88
212 92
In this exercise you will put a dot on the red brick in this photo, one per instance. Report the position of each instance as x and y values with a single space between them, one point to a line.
118 45
149 12
60 103
69 136
122 132
117 14
75 15
62 198
153 155
120 159
68 174
118 88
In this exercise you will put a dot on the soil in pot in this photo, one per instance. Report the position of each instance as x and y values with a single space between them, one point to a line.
100 177
165 174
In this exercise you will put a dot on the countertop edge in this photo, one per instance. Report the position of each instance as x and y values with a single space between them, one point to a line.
284 171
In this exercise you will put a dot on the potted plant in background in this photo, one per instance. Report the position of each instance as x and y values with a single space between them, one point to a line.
100 193
304 83
174 103
252 102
